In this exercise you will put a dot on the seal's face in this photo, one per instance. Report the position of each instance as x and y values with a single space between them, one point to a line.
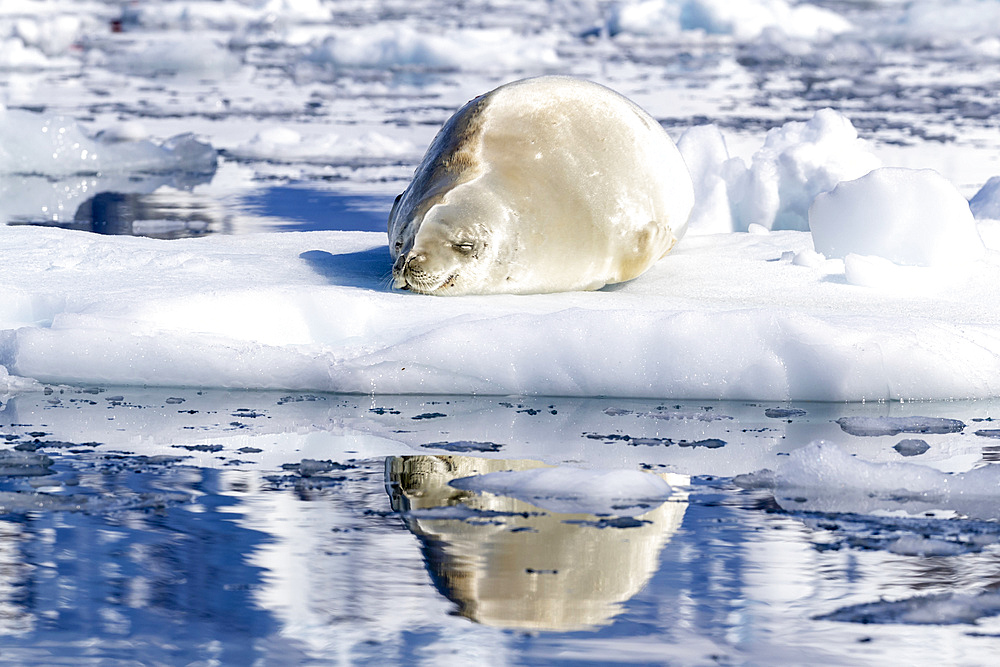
448 251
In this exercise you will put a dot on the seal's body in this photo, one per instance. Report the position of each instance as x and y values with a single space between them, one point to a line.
542 185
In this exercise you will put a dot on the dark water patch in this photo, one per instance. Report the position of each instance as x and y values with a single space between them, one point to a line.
465 446
611 438
784 413
616 522
429 415
911 447
199 448
312 467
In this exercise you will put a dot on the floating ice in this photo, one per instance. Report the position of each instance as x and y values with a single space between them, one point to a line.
914 545
943 609
822 477
743 20
936 23
575 491
50 145
909 217
210 14
388 45
183 57
282 144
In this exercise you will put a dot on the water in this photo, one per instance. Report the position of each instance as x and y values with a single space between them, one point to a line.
183 527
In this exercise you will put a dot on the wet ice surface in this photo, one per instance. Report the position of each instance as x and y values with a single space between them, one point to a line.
175 525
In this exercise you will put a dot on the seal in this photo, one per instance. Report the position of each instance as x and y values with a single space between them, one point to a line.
546 184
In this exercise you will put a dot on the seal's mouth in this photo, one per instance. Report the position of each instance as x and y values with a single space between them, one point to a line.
422 283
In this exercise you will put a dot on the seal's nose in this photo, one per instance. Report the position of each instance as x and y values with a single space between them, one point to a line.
397 266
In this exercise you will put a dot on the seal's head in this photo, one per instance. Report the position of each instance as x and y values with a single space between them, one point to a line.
449 246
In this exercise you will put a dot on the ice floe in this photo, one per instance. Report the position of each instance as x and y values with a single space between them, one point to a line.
723 316
822 477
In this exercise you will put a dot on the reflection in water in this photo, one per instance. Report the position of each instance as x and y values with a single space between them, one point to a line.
165 214
175 526
159 215
513 565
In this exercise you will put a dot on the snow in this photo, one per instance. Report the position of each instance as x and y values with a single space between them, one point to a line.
778 106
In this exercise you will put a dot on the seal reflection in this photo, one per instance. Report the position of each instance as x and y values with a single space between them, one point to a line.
510 564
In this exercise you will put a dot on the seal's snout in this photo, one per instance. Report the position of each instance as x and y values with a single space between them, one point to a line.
408 269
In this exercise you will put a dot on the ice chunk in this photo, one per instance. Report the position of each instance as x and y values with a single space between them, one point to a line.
798 161
183 57
875 426
954 22
575 491
707 158
909 217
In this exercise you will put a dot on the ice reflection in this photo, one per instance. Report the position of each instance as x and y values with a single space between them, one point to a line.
510 564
